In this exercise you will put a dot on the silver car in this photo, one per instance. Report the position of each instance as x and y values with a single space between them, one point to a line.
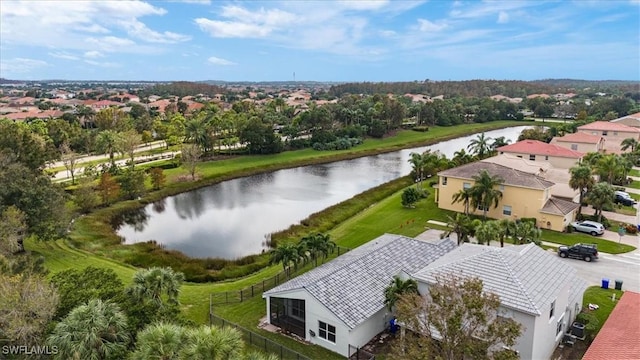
589 227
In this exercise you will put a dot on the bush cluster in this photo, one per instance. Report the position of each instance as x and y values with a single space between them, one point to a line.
339 144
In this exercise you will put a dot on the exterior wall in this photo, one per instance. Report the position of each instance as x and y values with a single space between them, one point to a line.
555 222
581 147
545 337
314 312
376 324
555 161
524 202
612 138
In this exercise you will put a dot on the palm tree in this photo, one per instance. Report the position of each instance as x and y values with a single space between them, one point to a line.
465 196
487 231
97 330
629 143
484 191
526 232
318 245
600 196
461 157
154 283
396 288
581 180
418 162
160 341
107 142
212 343
287 254
197 132
461 225
609 166
507 228
480 146
500 141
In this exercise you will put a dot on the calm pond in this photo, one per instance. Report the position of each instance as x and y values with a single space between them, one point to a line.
231 219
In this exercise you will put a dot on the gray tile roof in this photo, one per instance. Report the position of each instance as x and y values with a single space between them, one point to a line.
525 277
510 176
558 206
352 285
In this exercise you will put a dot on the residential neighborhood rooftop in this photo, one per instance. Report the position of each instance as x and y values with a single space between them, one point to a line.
525 277
579 138
608 126
536 147
510 176
559 206
352 285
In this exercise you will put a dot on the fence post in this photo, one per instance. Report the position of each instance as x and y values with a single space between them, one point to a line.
240 295
265 344
252 291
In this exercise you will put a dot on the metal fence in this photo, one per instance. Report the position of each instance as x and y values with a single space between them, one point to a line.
356 353
257 289
259 341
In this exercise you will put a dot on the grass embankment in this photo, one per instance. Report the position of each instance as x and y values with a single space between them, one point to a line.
604 245
94 232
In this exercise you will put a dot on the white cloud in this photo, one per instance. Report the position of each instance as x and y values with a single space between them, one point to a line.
428 26
63 55
20 65
503 17
196 2
104 64
220 61
93 54
243 23
139 30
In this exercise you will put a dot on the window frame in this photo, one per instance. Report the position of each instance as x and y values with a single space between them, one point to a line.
324 332
504 208
552 309
444 181
532 157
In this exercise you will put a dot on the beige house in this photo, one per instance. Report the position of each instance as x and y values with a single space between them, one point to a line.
613 132
632 120
524 195
581 142
539 151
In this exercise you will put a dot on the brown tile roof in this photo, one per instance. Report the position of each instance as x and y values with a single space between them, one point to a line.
608 126
536 147
619 338
510 176
580 138
558 206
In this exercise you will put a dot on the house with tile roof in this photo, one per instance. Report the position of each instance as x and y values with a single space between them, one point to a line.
582 142
534 150
618 338
535 287
632 120
524 195
613 132
340 304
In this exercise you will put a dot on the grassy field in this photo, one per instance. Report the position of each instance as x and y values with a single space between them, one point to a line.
634 184
605 246
634 172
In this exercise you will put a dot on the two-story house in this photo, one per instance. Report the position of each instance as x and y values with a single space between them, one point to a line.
613 132
534 150
524 195
582 142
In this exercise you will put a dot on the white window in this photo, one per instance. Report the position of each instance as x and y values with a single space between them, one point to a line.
444 180
574 146
327 331
559 324
466 185
553 308
532 157
501 188
506 210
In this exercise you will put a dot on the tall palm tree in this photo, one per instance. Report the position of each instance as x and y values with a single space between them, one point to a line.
396 288
487 231
629 143
609 166
461 157
160 341
461 225
318 245
155 283
507 228
287 254
601 195
465 196
197 132
485 192
107 142
417 162
499 142
581 180
97 330
212 343
480 146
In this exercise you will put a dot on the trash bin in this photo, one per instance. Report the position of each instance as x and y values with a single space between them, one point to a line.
605 283
618 284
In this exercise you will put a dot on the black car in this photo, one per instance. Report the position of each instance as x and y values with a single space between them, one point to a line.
624 200
586 252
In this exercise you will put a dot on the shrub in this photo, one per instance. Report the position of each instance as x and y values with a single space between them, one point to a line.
420 128
533 221
631 229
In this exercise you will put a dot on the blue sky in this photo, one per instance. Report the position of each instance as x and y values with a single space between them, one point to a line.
321 40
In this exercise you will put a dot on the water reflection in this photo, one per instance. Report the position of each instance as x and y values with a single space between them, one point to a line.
230 219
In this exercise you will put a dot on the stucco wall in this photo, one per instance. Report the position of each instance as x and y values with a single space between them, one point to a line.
376 324
613 138
555 161
581 147
545 337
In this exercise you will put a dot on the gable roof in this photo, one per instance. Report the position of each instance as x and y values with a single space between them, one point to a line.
579 138
635 116
525 277
558 206
352 285
536 147
623 323
510 176
608 126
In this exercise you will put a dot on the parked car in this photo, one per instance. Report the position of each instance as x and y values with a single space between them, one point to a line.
589 227
586 252
628 201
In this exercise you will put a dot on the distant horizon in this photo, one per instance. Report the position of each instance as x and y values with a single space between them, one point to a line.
324 41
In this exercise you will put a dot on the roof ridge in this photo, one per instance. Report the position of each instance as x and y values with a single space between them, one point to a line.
516 280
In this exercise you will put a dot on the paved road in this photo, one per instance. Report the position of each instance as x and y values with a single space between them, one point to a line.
88 158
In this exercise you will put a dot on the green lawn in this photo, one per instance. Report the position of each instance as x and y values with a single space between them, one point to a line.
635 196
601 297
605 246
634 172
634 184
